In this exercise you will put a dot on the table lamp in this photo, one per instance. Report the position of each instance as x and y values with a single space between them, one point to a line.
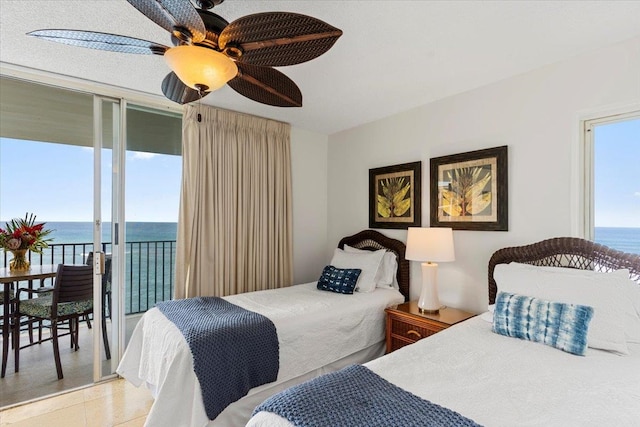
429 245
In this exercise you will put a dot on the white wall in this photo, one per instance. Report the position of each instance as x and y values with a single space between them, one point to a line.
536 114
309 188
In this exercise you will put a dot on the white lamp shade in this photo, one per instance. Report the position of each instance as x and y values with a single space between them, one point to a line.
196 65
430 244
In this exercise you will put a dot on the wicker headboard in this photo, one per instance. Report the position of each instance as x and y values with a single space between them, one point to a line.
570 252
373 241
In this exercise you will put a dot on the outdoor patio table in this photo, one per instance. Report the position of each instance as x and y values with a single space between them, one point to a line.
6 278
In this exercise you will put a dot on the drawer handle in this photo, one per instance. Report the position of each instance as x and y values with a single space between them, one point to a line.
412 332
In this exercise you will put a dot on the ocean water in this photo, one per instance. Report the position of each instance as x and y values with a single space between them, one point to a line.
624 239
620 238
149 256
82 232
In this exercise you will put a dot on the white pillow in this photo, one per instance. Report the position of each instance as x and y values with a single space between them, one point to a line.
569 270
605 292
487 316
390 262
386 277
628 289
368 262
632 320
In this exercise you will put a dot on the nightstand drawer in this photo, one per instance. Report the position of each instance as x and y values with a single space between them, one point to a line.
397 343
412 332
406 324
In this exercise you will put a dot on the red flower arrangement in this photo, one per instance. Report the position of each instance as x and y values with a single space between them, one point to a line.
24 234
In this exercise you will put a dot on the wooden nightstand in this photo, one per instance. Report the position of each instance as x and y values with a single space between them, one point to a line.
406 325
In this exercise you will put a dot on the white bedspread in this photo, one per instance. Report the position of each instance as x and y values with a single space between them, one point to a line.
501 381
315 328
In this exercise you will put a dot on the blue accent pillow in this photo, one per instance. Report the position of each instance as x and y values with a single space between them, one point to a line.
563 326
340 280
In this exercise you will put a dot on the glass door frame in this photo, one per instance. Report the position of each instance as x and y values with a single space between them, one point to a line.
117 222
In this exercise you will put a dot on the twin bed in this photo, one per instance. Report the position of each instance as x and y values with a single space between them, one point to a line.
318 332
497 380
483 376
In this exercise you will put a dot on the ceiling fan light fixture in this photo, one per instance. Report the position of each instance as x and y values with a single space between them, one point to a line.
210 52
199 67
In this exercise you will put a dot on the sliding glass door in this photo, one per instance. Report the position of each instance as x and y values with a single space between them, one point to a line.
135 219
63 157
152 190
108 234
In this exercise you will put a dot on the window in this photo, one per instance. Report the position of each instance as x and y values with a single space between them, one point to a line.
613 181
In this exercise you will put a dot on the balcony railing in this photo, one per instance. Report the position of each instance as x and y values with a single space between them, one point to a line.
149 268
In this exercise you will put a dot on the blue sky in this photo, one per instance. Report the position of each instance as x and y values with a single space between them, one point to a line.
54 181
617 169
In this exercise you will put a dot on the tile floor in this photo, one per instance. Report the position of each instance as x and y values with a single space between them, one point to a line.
113 403
37 377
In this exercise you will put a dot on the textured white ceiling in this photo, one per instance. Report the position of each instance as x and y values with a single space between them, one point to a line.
394 55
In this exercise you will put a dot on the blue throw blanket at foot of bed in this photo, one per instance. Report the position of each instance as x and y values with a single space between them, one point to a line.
356 396
233 349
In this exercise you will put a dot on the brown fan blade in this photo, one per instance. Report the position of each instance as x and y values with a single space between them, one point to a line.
277 38
266 85
175 90
101 41
174 16
214 25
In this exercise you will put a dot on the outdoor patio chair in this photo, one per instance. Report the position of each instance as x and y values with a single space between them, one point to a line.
106 300
70 299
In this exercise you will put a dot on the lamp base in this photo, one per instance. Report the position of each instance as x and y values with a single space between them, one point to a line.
429 301
425 311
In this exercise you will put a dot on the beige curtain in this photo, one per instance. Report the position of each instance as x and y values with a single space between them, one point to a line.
234 229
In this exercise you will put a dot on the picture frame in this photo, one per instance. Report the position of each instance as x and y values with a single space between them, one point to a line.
395 196
469 191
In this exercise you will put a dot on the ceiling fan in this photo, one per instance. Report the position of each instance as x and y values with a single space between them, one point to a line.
209 52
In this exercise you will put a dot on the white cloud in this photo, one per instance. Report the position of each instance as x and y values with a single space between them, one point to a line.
143 156
637 194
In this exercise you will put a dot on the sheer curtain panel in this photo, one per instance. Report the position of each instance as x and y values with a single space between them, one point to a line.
234 229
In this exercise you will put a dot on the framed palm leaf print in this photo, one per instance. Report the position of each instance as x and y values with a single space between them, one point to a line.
469 190
394 196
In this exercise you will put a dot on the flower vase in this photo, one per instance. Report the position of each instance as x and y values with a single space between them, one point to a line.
19 261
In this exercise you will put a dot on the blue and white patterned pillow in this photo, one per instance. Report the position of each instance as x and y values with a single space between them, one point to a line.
563 326
340 280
